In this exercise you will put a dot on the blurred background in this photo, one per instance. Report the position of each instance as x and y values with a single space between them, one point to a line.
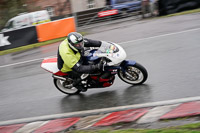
86 11
27 17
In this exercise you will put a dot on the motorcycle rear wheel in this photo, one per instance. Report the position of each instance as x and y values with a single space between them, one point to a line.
66 86
134 74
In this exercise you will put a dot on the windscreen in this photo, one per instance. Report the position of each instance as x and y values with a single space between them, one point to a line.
108 47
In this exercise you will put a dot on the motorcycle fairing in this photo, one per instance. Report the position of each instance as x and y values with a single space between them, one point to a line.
126 63
113 52
50 65
97 82
90 56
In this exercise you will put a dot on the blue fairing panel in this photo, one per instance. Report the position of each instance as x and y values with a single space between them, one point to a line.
90 57
128 63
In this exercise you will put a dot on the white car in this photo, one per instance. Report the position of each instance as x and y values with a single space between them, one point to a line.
27 19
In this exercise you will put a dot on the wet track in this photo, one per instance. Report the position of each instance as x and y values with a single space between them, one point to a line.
169 49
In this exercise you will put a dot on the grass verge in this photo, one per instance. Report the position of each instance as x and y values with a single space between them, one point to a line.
189 128
183 13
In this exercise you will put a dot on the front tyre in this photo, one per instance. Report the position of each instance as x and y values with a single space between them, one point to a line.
133 74
66 86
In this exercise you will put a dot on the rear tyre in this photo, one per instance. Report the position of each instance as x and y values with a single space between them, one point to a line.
66 86
134 74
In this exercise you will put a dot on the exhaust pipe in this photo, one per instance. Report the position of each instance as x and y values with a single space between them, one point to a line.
58 77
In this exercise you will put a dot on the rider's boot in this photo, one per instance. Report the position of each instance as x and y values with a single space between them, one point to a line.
79 85
81 88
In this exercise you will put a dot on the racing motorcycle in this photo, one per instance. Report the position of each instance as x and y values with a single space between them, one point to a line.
113 56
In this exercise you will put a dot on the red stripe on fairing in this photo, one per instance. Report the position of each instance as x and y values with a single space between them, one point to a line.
50 60
94 77
57 125
106 84
59 73
103 80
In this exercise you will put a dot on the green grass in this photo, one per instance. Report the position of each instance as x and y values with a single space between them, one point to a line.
182 13
189 128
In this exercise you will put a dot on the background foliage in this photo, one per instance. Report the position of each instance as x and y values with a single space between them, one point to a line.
9 9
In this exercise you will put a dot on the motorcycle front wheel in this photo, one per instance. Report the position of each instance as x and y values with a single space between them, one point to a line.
66 86
134 74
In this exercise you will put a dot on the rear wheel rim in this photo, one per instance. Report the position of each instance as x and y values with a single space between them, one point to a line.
66 86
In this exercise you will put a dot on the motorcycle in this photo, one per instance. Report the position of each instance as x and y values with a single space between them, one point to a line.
113 56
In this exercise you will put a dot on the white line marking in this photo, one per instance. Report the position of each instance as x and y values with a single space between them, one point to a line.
23 62
169 34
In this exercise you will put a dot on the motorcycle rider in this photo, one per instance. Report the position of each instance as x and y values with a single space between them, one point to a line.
70 57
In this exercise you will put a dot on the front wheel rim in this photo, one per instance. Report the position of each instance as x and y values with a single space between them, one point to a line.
132 75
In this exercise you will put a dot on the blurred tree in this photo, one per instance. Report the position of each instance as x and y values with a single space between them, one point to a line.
60 7
63 6
32 5
9 9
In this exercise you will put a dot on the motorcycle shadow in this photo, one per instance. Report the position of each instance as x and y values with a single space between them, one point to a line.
88 102
138 94
110 98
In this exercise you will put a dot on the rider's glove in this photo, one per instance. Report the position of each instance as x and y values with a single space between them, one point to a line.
100 65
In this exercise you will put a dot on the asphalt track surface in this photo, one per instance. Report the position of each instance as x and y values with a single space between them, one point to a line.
169 49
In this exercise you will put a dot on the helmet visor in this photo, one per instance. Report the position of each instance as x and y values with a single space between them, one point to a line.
79 45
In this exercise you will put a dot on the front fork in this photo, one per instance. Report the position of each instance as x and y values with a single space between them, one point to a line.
123 67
